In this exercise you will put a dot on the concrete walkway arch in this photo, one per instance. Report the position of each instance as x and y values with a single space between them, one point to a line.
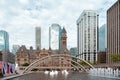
56 55
63 59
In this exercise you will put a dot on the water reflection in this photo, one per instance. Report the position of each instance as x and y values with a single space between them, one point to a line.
60 76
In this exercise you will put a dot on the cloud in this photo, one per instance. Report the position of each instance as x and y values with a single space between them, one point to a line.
24 1
19 18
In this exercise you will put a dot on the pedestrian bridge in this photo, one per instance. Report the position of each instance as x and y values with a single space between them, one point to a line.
57 62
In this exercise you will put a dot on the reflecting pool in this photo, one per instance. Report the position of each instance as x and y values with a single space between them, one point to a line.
61 76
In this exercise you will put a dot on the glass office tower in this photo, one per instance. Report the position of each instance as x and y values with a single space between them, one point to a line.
4 40
54 36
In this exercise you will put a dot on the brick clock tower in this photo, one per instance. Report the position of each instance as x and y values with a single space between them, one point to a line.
63 41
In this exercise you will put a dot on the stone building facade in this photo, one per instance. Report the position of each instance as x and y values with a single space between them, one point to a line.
6 56
113 31
25 55
102 57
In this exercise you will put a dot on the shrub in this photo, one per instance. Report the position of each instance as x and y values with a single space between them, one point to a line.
1 75
115 57
34 69
25 64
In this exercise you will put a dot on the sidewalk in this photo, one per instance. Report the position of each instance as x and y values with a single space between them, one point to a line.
10 76
13 76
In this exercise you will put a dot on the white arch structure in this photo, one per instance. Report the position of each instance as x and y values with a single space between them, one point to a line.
63 59
35 63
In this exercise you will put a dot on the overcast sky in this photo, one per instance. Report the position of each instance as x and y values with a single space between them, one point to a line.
20 17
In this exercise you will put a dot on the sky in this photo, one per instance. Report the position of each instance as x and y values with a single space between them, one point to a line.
20 17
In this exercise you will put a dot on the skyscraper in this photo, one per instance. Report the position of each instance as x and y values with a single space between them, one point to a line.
4 40
113 31
102 38
73 51
87 35
38 38
54 36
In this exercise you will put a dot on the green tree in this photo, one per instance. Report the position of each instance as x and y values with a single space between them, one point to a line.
74 63
115 57
82 63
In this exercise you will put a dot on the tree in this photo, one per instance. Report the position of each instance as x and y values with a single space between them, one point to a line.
82 63
115 57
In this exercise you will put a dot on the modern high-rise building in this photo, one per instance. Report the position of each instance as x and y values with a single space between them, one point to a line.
15 48
54 36
4 40
73 51
102 38
87 35
113 31
38 38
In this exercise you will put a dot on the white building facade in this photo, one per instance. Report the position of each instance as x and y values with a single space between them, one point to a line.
87 35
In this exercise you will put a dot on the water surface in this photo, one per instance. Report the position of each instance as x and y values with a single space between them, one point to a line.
60 76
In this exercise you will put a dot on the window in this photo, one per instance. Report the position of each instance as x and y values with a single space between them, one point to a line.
85 56
88 56
94 56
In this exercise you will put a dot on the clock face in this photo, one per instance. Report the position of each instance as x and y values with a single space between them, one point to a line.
1 40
